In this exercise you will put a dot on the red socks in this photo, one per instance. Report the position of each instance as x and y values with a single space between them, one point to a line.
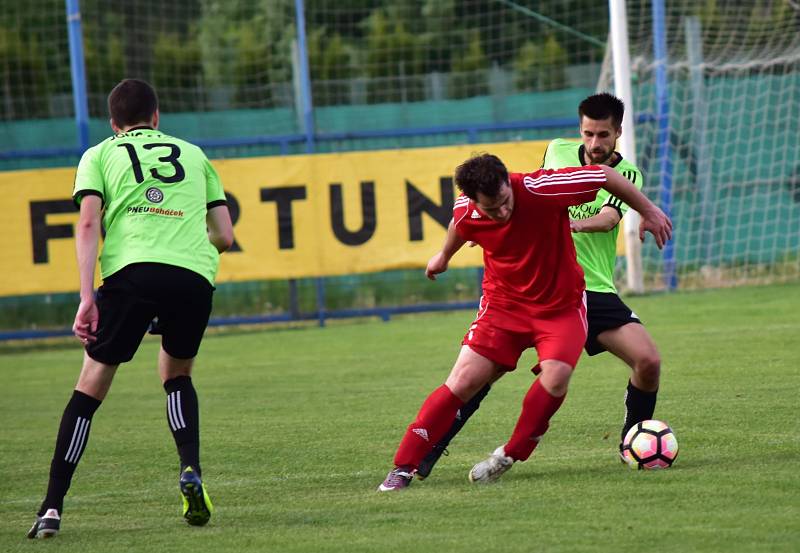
434 419
439 410
537 408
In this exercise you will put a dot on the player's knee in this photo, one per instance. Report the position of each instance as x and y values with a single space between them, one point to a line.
648 368
465 384
172 368
555 377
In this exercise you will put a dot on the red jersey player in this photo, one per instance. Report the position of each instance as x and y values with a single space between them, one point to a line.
533 297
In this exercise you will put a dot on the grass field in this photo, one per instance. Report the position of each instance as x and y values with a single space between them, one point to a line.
299 427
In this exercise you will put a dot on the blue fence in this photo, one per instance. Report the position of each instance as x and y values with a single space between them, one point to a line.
730 182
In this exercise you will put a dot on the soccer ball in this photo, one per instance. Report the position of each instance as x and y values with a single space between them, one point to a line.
650 445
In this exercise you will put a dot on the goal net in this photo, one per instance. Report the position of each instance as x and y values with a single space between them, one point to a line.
229 73
717 137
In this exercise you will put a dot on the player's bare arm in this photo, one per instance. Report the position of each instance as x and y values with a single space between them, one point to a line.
220 227
654 220
86 244
452 243
604 221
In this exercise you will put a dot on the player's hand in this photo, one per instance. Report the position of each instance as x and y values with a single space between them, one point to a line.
85 324
436 265
574 225
658 224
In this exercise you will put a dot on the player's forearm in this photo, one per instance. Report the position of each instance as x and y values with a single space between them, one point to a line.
86 244
222 243
604 221
622 188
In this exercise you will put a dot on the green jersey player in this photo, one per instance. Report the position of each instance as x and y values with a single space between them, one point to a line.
166 221
613 326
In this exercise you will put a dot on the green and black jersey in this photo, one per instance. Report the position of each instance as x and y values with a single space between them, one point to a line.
596 250
156 191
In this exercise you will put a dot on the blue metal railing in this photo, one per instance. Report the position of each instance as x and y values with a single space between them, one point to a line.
472 132
385 314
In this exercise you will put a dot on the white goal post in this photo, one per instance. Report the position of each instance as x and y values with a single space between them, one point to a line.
618 31
711 89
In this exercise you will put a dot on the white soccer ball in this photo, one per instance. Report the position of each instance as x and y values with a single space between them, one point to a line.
650 444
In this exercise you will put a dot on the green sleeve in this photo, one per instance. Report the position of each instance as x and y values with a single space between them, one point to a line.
89 178
635 176
544 157
214 191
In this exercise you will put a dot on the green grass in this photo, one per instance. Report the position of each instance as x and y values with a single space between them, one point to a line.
299 427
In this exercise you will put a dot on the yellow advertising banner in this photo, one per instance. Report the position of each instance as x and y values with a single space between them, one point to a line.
294 216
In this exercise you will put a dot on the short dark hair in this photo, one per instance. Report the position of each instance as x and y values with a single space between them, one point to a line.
602 106
482 173
132 101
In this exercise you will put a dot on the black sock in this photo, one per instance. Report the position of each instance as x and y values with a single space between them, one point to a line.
462 416
639 406
73 434
184 420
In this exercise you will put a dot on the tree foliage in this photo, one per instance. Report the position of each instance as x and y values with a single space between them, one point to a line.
243 53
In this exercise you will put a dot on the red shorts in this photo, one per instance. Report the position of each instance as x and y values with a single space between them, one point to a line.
501 335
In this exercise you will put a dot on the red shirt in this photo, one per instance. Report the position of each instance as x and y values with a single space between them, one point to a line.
530 259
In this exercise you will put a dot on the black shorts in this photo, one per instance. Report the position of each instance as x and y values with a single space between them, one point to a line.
129 299
605 311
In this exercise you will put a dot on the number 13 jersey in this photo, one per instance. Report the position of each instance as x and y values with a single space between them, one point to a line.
156 191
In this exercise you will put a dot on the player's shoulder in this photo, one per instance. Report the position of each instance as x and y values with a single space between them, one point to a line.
559 150
181 141
184 144
96 154
461 204
626 165
94 151
564 143
461 208
547 176
630 171
102 146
